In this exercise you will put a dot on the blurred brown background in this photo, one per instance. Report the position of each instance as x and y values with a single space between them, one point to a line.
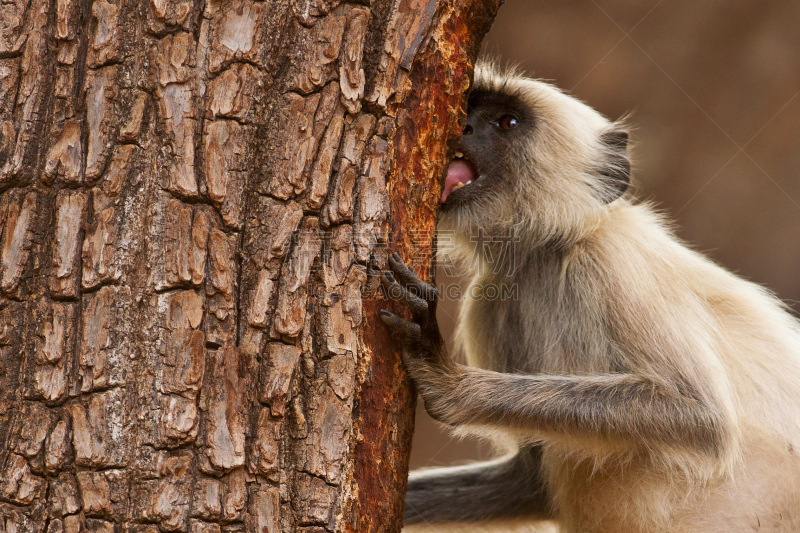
714 91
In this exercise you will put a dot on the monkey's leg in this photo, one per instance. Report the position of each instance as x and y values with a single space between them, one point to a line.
506 487
637 409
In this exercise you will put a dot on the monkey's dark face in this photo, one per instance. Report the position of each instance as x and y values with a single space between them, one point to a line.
495 123
531 158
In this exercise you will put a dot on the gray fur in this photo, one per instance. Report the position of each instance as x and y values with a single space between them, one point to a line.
509 486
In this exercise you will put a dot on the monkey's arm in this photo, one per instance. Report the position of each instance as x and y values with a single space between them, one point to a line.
630 407
614 406
511 486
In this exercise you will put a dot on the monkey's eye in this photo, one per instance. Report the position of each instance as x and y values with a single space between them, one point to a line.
507 122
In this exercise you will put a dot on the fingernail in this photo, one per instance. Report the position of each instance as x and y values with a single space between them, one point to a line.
384 312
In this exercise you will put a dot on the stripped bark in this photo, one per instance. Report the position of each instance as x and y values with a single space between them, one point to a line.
194 200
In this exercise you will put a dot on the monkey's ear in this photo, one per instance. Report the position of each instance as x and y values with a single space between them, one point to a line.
615 170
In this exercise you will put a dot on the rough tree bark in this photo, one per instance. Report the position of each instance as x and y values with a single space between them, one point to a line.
193 197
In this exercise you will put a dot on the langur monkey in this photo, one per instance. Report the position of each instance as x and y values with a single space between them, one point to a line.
642 387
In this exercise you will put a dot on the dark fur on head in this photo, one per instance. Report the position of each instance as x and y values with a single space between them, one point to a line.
552 176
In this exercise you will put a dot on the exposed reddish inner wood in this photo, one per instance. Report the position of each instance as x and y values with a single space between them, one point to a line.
427 127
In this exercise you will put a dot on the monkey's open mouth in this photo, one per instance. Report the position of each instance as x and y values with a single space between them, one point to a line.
460 173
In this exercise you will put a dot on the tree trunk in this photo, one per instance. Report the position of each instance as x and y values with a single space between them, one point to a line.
193 201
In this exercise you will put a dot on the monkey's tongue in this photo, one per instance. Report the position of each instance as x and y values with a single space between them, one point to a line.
459 173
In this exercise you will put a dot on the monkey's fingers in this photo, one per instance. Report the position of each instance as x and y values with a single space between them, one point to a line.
409 331
395 291
409 278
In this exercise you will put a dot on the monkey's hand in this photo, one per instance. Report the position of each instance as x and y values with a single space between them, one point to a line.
424 353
